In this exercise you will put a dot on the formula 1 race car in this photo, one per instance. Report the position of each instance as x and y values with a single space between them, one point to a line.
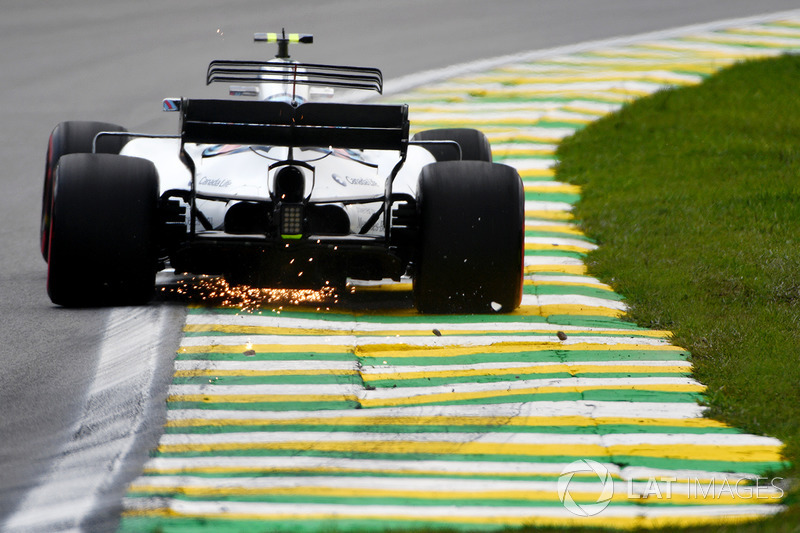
287 190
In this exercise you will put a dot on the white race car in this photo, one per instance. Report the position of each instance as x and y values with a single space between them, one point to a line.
285 190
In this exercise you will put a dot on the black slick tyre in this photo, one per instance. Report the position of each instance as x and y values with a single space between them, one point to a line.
102 247
474 144
471 243
73 137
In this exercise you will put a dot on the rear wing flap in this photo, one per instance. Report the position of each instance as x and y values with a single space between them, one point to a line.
233 71
357 126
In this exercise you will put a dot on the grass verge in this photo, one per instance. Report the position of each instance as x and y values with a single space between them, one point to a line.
694 197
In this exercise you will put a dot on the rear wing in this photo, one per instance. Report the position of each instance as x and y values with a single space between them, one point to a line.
365 78
358 126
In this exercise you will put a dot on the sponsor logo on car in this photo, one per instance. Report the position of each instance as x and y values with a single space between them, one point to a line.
215 182
344 181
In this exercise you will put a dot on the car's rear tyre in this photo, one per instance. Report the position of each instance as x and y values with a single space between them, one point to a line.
474 144
471 243
102 248
72 137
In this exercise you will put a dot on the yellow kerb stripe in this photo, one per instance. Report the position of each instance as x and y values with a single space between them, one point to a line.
562 188
559 283
481 395
571 230
425 398
560 247
549 215
695 452
566 309
355 469
545 369
630 523
525 421
270 330
725 498
265 398
537 173
406 350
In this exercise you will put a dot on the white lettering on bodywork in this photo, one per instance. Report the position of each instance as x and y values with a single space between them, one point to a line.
215 182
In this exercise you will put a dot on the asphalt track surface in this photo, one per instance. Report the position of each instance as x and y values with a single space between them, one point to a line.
115 61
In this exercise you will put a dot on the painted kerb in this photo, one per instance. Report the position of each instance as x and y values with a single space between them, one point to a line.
306 420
